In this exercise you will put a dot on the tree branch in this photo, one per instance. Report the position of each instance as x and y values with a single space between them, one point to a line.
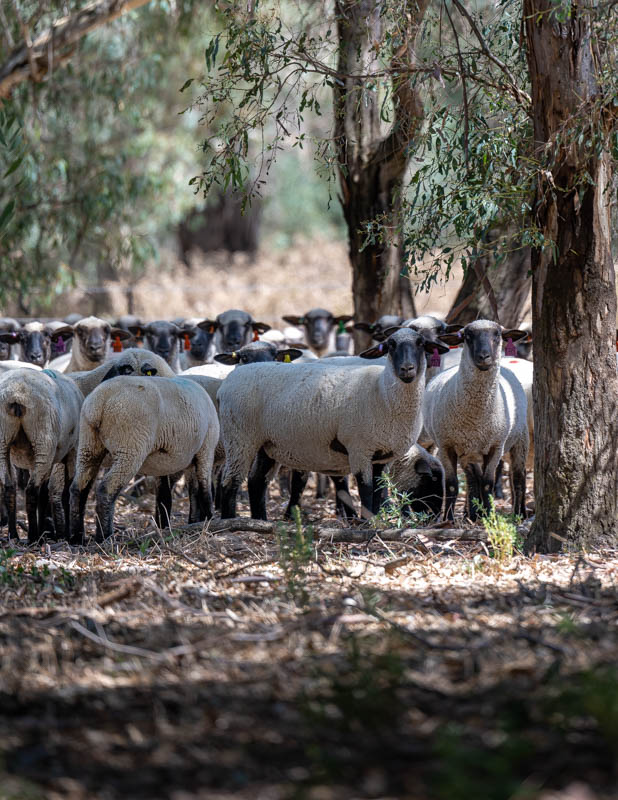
54 47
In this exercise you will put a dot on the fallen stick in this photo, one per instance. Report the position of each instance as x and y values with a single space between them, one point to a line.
350 535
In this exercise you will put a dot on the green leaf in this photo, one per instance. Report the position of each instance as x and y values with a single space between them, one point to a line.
7 213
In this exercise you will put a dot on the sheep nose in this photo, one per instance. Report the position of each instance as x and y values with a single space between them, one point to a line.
407 372
38 356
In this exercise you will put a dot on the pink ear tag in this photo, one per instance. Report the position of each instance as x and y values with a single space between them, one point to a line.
60 348
434 361
510 349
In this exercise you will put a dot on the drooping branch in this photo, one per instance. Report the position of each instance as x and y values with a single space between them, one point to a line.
33 60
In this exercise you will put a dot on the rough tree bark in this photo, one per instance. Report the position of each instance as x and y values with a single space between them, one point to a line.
509 281
373 165
573 289
34 59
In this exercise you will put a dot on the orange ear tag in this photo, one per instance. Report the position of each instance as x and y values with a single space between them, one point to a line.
187 344
211 329
256 336
117 346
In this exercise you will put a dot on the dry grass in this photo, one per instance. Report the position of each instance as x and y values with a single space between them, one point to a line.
205 665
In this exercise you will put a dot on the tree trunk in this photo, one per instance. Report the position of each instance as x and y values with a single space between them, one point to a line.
373 166
573 290
509 281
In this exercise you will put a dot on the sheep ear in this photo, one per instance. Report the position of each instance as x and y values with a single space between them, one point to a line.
230 359
65 332
260 327
364 326
434 344
388 331
453 328
294 320
119 333
373 352
291 353
514 334
9 338
208 325
343 318
451 339
149 370
422 467
136 330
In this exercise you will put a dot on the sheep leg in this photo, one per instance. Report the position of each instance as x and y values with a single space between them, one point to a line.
488 479
474 498
380 492
321 486
46 525
365 490
498 490
125 466
32 501
297 487
203 463
342 491
258 483
163 503
449 462
518 456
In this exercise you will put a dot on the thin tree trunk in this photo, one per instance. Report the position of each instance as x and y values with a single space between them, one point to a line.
573 290
372 166
509 281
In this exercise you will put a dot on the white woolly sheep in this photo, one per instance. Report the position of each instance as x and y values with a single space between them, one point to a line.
39 420
154 427
322 417
134 361
92 342
476 413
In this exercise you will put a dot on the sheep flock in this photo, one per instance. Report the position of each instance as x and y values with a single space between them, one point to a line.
86 404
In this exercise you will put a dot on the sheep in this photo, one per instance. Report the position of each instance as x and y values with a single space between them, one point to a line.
39 420
433 327
420 476
233 329
322 417
124 323
199 347
475 413
163 338
256 352
320 327
6 366
8 325
155 427
35 342
92 342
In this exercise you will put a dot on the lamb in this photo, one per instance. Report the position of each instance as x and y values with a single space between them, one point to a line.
321 328
92 342
475 413
172 427
198 345
39 420
8 325
420 476
322 417
233 329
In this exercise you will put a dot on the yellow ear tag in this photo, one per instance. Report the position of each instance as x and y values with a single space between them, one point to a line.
234 355
149 372
287 359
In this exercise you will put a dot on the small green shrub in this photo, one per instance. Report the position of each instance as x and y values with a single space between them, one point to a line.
501 531
295 552
394 512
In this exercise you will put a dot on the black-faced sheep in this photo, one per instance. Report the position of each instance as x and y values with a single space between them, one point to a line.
233 329
320 327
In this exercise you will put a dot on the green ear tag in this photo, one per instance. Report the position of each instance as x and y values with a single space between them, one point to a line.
341 327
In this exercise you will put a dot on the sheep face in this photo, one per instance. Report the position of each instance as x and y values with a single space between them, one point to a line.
9 326
161 338
92 337
258 352
235 328
377 328
405 349
429 491
483 342
431 328
35 341
200 339
318 324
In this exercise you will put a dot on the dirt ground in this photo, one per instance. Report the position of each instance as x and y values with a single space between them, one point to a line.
193 664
